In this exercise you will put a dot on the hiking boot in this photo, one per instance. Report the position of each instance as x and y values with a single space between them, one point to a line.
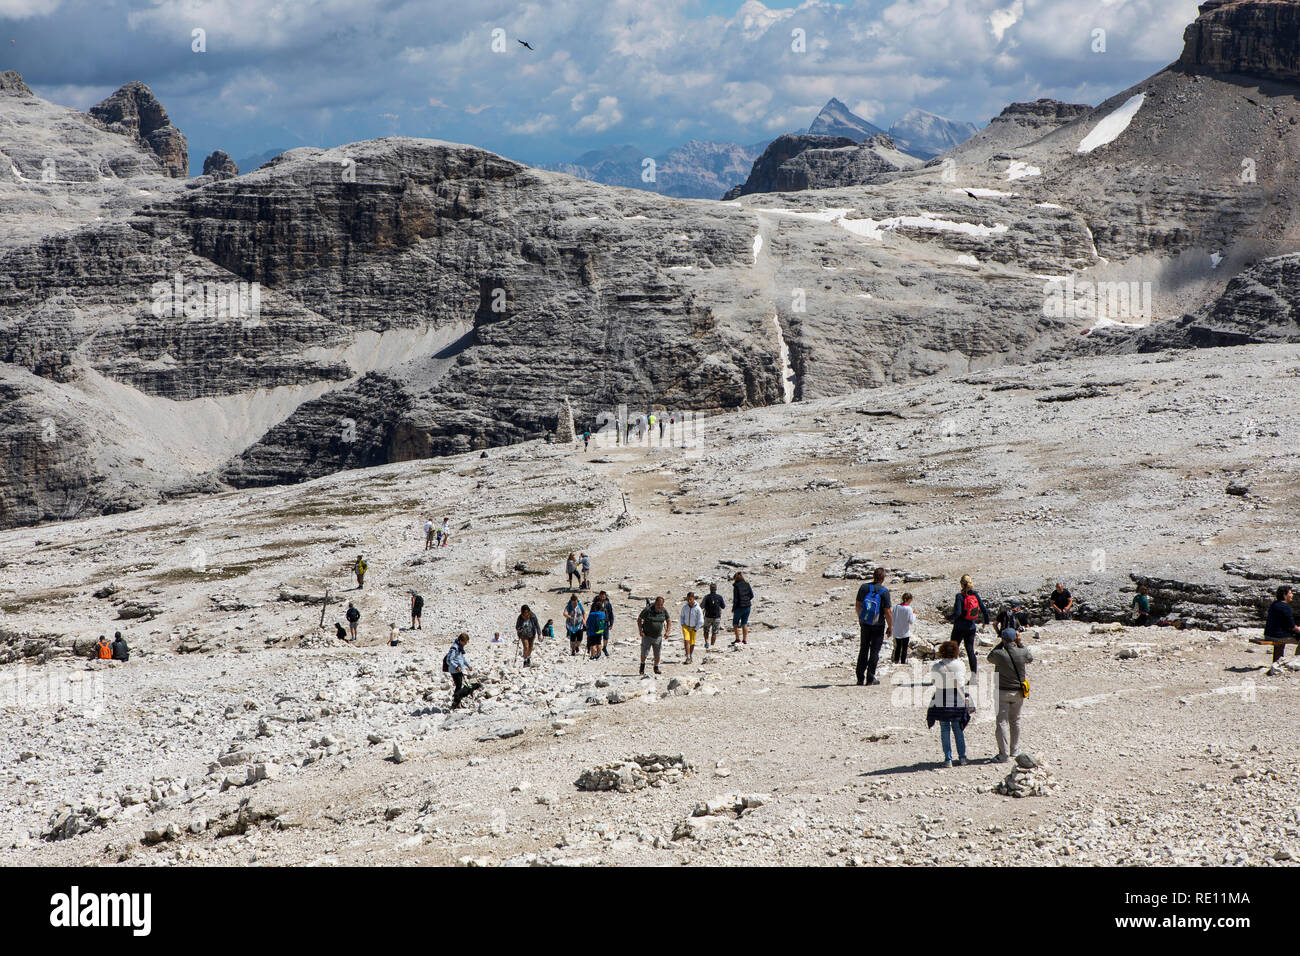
964 762
1000 759
947 764
642 667
657 671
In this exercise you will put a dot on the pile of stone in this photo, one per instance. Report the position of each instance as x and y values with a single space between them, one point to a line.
1028 778
636 773
319 639
729 803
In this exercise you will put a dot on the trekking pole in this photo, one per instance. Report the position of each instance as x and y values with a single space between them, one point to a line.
323 605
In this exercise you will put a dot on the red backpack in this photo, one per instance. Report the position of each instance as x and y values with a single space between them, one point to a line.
970 609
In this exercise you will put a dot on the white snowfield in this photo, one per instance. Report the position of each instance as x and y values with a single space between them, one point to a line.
875 228
1019 170
758 246
1112 125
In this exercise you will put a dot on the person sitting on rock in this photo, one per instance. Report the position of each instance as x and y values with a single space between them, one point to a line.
120 651
339 631
1142 607
1062 603
1281 626
1013 616
104 650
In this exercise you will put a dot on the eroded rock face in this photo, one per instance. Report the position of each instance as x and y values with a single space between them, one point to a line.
135 112
809 161
1259 38
11 82
220 165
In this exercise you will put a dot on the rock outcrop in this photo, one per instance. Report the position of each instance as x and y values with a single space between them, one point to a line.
220 165
135 112
11 83
836 119
1255 38
805 161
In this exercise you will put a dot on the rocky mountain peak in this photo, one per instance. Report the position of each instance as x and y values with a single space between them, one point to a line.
11 82
220 165
1259 38
135 112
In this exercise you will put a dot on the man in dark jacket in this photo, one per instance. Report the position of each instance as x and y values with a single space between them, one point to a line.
742 598
875 613
713 606
1281 625
120 651
1011 659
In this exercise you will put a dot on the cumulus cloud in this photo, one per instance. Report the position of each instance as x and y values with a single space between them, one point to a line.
605 115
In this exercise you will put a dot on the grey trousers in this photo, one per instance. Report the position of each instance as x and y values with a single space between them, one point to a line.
1009 704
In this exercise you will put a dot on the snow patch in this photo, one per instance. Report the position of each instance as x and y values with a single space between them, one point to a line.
1215 259
758 245
966 259
787 371
822 215
1048 205
1019 170
1112 124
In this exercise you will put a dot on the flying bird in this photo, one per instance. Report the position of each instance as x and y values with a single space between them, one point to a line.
525 43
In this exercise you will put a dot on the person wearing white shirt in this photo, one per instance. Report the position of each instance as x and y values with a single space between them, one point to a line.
950 705
692 620
904 618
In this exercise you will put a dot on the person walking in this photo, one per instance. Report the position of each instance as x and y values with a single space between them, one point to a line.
595 632
1011 659
571 570
902 621
654 624
457 664
967 612
1280 626
950 705
692 622
575 618
428 534
584 565
359 569
444 533
354 618
417 610
713 606
586 438
742 599
527 630
1141 607
1062 603
602 602
875 620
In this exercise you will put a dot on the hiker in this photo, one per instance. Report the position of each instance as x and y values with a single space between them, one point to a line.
527 630
875 618
742 597
951 703
1062 603
692 621
457 664
902 621
1011 658
584 564
1012 616
120 651
713 606
359 569
394 638
595 632
967 611
1141 607
339 632
104 650
548 629
1281 625
586 438
417 610
444 533
353 617
650 423
661 428
602 603
654 624
571 569
428 534
575 618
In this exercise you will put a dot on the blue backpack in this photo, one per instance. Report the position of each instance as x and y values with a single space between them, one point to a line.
870 613
596 624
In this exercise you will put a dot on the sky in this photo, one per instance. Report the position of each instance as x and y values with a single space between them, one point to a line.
273 74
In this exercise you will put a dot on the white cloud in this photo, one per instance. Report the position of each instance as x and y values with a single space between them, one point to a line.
605 115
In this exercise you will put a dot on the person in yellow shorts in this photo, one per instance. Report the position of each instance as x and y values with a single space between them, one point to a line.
692 621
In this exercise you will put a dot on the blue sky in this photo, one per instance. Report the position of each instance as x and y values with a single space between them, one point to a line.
654 73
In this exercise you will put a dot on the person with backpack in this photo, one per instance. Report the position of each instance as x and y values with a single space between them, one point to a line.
120 651
548 629
1141 607
575 618
950 705
428 534
875 619
901 623
104 650
713 606
584 564
967 612
417 610
571 570
586 438
602 604
1012 616
359 569
1011 659
595 632
1280 625
654 624
457 664
527 630
1062 603
742 599
353 616
692 622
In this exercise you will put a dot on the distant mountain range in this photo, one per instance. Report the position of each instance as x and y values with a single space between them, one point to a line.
699 169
